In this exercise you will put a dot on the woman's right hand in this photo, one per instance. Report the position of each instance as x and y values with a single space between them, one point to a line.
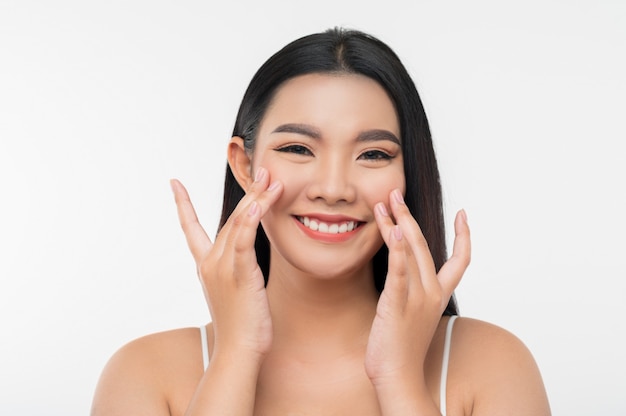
231 278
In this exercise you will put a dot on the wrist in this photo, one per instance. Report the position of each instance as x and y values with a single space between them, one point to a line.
236 347
399 396
239 356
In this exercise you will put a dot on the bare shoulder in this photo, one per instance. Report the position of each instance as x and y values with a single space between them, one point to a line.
150 375
497 371
483 337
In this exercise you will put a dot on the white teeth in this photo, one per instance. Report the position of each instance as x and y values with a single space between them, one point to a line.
322 227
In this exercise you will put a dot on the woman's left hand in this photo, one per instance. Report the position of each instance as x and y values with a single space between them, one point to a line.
414 297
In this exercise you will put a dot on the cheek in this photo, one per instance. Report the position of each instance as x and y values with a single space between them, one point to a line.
276 167
293 182
377 188
286 175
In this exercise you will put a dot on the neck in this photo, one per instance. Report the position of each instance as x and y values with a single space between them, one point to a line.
321 315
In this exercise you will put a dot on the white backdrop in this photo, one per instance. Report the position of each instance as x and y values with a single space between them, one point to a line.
102 102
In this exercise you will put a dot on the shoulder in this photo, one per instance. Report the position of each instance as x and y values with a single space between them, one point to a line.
147 374
482 337
496 370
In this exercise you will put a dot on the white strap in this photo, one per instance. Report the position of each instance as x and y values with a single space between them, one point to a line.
444 366
205 347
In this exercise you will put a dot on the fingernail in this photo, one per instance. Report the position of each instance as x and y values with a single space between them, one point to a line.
397 195
260 174
464 214
253 208
273 186
382 209
397 232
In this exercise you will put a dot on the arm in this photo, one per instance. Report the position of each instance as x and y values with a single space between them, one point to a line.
409 309
235 291
135 381
228 387
497 367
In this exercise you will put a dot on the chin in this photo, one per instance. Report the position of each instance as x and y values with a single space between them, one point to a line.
332 265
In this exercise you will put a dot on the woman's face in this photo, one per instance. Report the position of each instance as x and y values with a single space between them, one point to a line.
334 142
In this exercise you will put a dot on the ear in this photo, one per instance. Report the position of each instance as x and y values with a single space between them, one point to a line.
239 162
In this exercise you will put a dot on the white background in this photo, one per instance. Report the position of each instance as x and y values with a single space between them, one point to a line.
102 102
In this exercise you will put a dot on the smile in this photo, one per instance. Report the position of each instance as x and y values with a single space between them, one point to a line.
328 227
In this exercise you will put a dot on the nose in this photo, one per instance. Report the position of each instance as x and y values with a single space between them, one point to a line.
333 182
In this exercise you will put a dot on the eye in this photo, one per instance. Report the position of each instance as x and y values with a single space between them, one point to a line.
375 155
295 149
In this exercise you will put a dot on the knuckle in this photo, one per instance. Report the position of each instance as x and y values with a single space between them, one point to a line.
237 221
400 271
430 299
239 248
437 298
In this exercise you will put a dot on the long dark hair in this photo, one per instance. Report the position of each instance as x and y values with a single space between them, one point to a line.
349 51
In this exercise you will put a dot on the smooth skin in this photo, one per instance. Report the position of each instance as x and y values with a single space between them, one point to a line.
319 339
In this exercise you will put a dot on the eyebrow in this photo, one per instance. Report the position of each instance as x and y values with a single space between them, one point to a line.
303 129
314 133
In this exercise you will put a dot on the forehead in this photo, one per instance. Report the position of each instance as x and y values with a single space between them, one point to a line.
328 101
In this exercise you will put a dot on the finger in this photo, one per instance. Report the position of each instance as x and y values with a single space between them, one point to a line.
414 236
452 271
259 185
396 282
246 223
198 241
383 220
244 229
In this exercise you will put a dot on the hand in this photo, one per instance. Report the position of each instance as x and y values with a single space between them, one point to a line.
231 278
414 297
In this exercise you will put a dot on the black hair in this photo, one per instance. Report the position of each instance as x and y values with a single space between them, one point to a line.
350 51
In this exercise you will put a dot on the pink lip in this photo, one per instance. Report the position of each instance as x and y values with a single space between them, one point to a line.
327 237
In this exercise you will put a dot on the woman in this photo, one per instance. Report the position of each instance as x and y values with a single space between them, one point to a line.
328 283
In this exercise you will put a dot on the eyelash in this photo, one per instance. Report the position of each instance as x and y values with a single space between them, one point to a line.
374 155
296 149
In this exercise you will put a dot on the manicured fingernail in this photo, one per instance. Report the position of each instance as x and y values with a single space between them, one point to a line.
254 207
397 195
397 232
382 209
464 215
273 186
260 174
